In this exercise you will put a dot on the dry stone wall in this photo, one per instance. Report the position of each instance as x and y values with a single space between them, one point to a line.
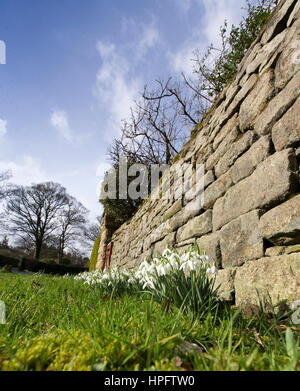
249 143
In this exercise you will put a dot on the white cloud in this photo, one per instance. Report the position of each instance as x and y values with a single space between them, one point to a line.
150 38
3 127
59 120
101 169
26 172
213 13
117 83
115 88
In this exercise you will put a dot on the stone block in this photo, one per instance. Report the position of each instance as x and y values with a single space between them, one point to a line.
176 207
286 132
277 278
266 53
199 226
281 225
286 8
282 250
234 151
248 162
256 101
222 148
278 106
216 190
168 241
211 245
271 183
241 95
230 125
225 282
160 232
286 67
240 240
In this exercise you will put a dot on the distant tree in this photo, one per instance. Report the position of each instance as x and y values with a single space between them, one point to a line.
92 231
4 244
4 176
33 212
70 225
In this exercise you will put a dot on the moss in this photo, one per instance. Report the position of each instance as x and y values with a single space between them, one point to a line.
94 255
57 351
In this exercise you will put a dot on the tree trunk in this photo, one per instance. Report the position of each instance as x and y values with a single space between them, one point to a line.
37 250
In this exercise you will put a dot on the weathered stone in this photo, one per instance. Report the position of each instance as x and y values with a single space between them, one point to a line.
274 277
281 225
208 178
221 150
240 240
160 232
230 94
242 94
147 255
234 151
216 190
278 106
176 207
286 132
294 15
168 241
181 249
195 191
271 183
211 245
274 251
286 67
256 101
282 13
191 210
297 152
203 154
224 131
248 58
200 225
248 162
200 142
225 282
282 250
188 242
266 53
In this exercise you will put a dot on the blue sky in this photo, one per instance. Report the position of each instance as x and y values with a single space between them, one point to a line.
74 67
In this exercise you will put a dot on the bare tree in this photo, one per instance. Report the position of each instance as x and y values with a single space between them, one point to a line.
92 231
33 212
70 225
4 177
160 122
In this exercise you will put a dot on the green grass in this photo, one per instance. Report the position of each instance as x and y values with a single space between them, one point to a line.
60 324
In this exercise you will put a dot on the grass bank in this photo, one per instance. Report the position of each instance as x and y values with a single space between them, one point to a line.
55 323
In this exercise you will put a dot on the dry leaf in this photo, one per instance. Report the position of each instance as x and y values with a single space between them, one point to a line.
178 362
187 366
